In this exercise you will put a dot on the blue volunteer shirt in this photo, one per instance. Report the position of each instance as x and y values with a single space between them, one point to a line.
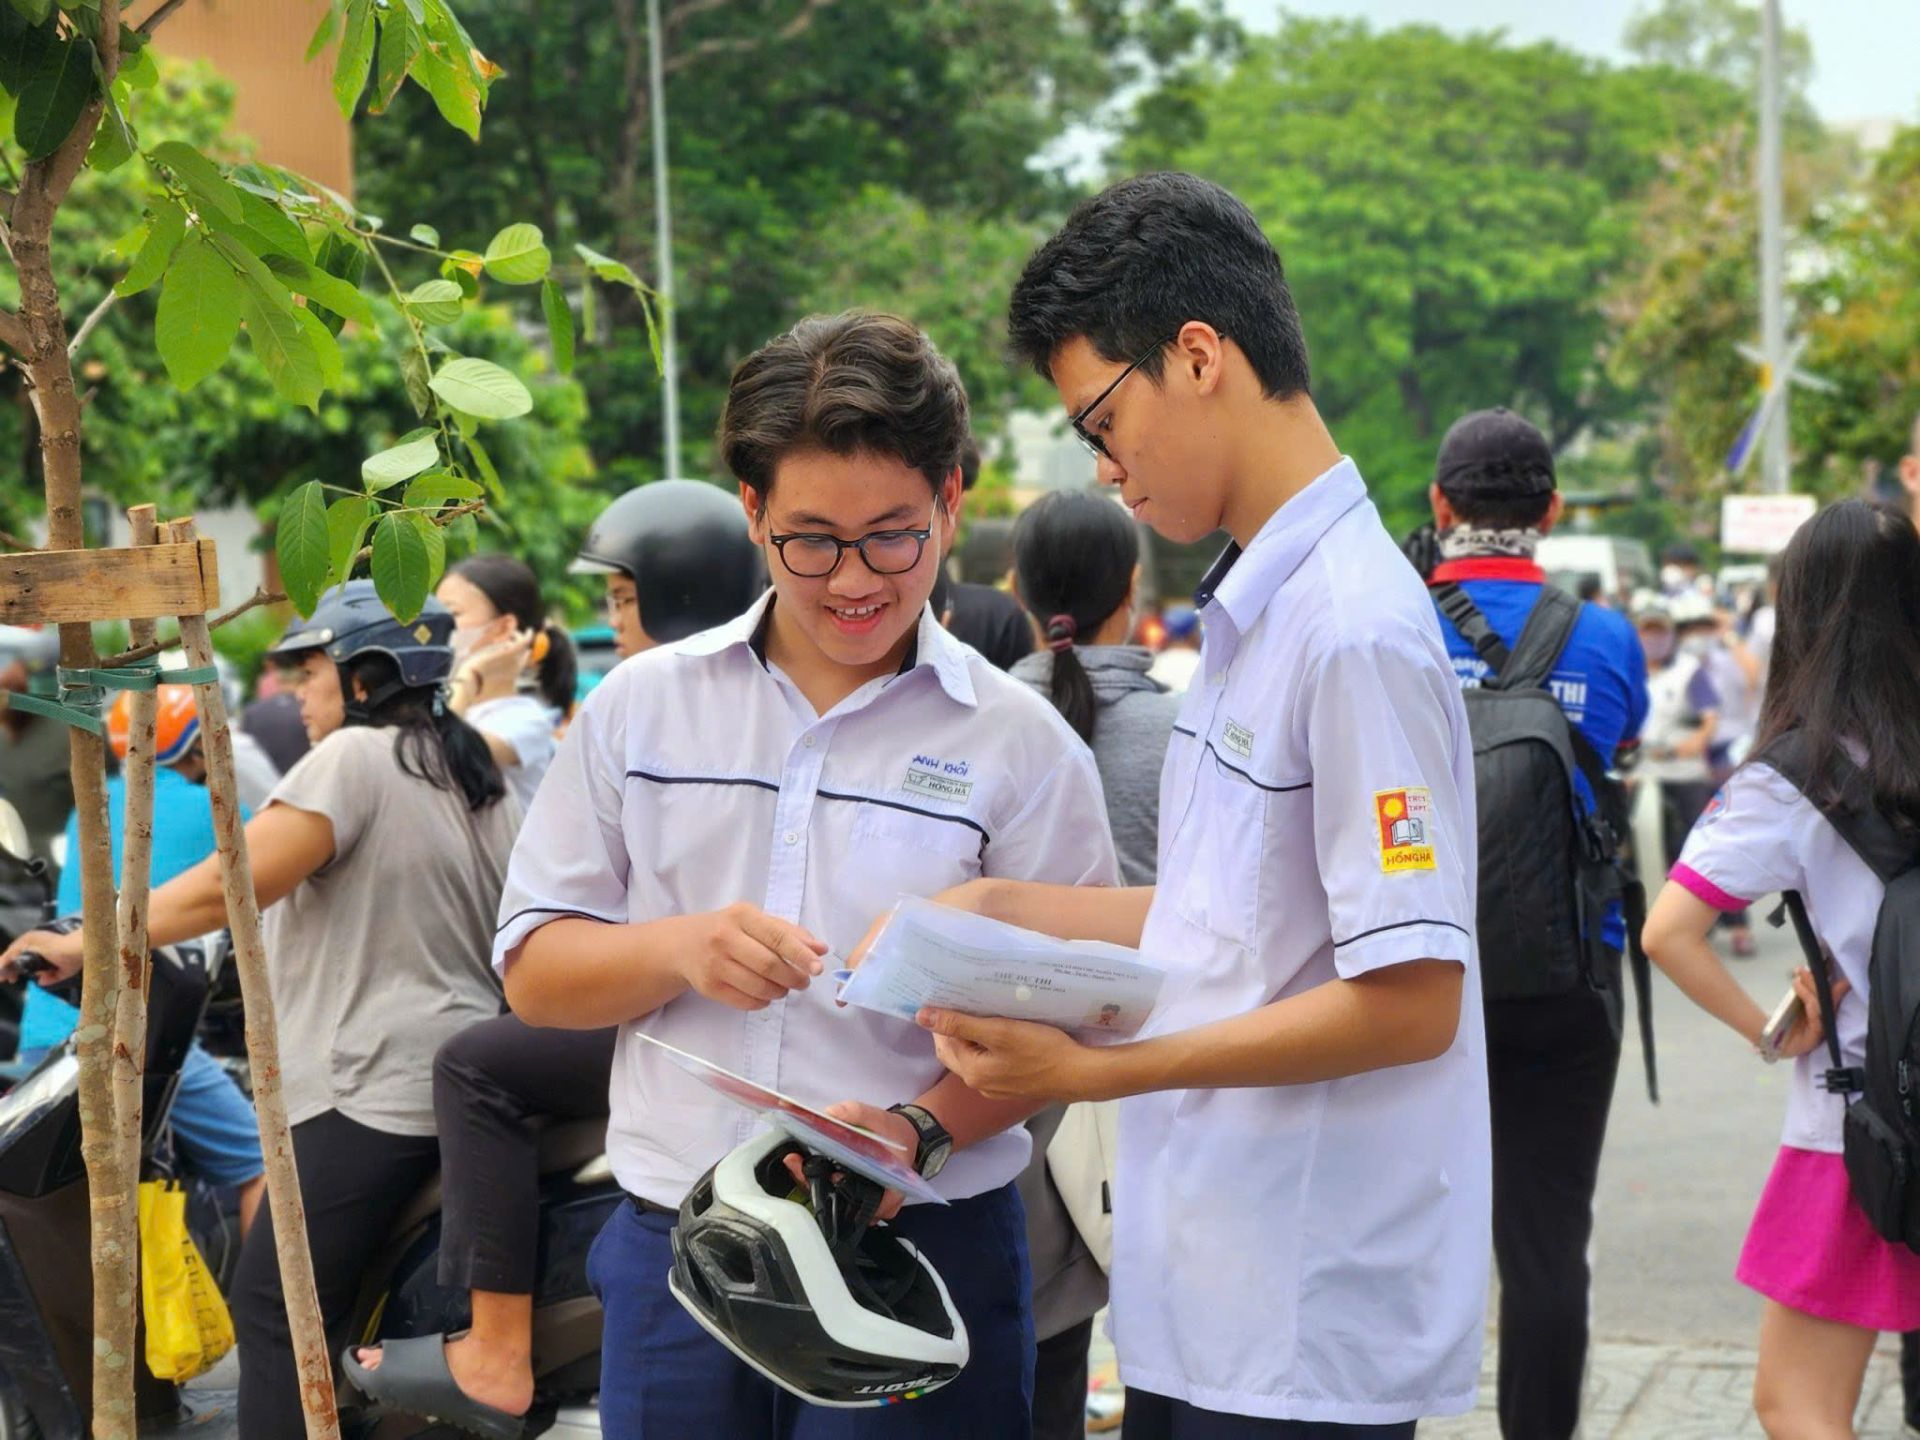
182 837
1600 682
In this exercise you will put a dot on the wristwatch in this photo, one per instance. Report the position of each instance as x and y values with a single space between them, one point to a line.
935 1143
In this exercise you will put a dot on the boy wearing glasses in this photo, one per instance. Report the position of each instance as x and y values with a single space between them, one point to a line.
1302 1205
727 810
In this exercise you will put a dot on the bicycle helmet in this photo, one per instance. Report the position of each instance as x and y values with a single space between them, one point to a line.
685 545
812 1295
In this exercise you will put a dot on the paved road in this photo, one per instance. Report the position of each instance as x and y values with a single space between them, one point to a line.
1674 1332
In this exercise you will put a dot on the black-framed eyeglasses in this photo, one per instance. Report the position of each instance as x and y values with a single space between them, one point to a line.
885 552
1079 422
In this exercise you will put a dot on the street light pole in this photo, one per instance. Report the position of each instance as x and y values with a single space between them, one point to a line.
663 231
1773 299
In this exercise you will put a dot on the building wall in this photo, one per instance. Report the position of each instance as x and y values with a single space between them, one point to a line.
283 103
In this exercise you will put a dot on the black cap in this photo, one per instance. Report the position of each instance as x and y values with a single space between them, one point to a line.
1494 454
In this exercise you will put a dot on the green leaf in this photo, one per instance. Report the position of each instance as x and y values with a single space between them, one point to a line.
481 388
426 235
463 531
436 302
200 176
113 144
323 32
300 541
138 70
417 376
255 275
347 522
199 313
279 232
34 11
559 325
454 90
517 255
437 487
483 462
350 67
163 237
653 336
399 45
613 271
435 539
52 97
415 453
281 342
589 314
400 566
332 370
328 295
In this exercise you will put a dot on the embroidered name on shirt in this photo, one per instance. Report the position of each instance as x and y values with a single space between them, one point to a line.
938 779
1404 819
1237 738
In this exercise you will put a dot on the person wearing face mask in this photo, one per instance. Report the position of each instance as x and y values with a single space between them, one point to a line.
1683 714
501 634
1679 570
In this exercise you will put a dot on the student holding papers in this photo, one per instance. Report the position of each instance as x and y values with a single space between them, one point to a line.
1302 1208
728 809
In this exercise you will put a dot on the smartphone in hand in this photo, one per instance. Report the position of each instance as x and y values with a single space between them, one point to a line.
1787 1014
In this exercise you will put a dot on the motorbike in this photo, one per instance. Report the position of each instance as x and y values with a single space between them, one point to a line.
46 1317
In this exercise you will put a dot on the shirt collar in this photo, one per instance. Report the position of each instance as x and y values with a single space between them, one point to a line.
1487 567
931 646
1242 582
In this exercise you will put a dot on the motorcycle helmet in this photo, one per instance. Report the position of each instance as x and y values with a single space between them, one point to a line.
810 1294
176 726
350 621
685 545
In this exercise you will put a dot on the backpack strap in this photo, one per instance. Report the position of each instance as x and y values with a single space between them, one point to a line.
1842 1079
1465 617
1868 833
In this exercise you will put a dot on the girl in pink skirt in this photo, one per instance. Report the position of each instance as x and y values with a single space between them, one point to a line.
1846 675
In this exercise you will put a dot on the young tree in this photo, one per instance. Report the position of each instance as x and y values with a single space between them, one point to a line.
249 248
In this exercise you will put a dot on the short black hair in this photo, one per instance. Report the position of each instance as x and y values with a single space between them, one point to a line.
969 463
1141 259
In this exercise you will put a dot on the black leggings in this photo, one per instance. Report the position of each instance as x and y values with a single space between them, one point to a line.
492 1086
354 1182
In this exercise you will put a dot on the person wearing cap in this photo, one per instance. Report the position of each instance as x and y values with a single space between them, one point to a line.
213 1122
377 865
1680 569
677 560
1551 1058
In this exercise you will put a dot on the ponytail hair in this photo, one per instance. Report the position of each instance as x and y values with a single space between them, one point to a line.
1074 554
434 744
513 589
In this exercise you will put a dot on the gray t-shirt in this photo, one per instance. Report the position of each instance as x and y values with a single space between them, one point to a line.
383 953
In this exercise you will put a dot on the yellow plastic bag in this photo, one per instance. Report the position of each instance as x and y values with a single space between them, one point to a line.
188 1328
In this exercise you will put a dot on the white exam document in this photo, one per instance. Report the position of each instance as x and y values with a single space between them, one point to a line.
933 955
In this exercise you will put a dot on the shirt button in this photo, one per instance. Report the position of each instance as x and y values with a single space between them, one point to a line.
808 742
792 837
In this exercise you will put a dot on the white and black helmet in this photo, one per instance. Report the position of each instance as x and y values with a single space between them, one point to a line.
813 1296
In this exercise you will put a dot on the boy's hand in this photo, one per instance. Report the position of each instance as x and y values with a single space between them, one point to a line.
63 954
896 1128
746 958
1014 1059
964 896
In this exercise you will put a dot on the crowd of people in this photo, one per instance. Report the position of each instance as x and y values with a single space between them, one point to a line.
1369 815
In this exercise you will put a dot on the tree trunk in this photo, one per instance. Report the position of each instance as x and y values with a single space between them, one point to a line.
115 1219
136 863
263 1040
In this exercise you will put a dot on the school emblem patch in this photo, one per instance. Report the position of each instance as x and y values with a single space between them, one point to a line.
1404 819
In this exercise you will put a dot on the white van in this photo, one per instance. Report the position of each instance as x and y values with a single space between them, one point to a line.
1621 565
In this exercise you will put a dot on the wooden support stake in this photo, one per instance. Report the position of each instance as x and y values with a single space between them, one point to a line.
136 863
263 1041
67 586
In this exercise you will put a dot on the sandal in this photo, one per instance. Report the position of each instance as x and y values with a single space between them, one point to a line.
413 1377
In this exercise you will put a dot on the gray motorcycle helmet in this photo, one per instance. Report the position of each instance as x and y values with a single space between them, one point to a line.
685 546
350 621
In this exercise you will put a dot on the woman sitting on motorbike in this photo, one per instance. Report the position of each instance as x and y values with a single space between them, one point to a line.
378 864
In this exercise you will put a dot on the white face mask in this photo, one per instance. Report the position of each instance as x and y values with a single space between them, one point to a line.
464 640
1672 578
1698 646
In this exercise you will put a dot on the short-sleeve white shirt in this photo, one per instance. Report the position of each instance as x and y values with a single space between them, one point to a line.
529 725
1312 1252
695 775
1760 835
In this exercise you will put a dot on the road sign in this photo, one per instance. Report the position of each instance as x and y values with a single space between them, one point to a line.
1762 524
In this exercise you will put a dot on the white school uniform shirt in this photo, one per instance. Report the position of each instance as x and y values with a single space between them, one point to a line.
1759 835
1311 1252
696 775
529 725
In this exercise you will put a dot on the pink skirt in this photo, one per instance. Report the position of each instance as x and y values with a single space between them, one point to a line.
1812 1249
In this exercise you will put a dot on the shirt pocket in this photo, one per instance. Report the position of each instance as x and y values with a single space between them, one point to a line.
1226 829
902 852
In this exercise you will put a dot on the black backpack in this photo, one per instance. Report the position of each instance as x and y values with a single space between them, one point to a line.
1881 1135
1549 867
